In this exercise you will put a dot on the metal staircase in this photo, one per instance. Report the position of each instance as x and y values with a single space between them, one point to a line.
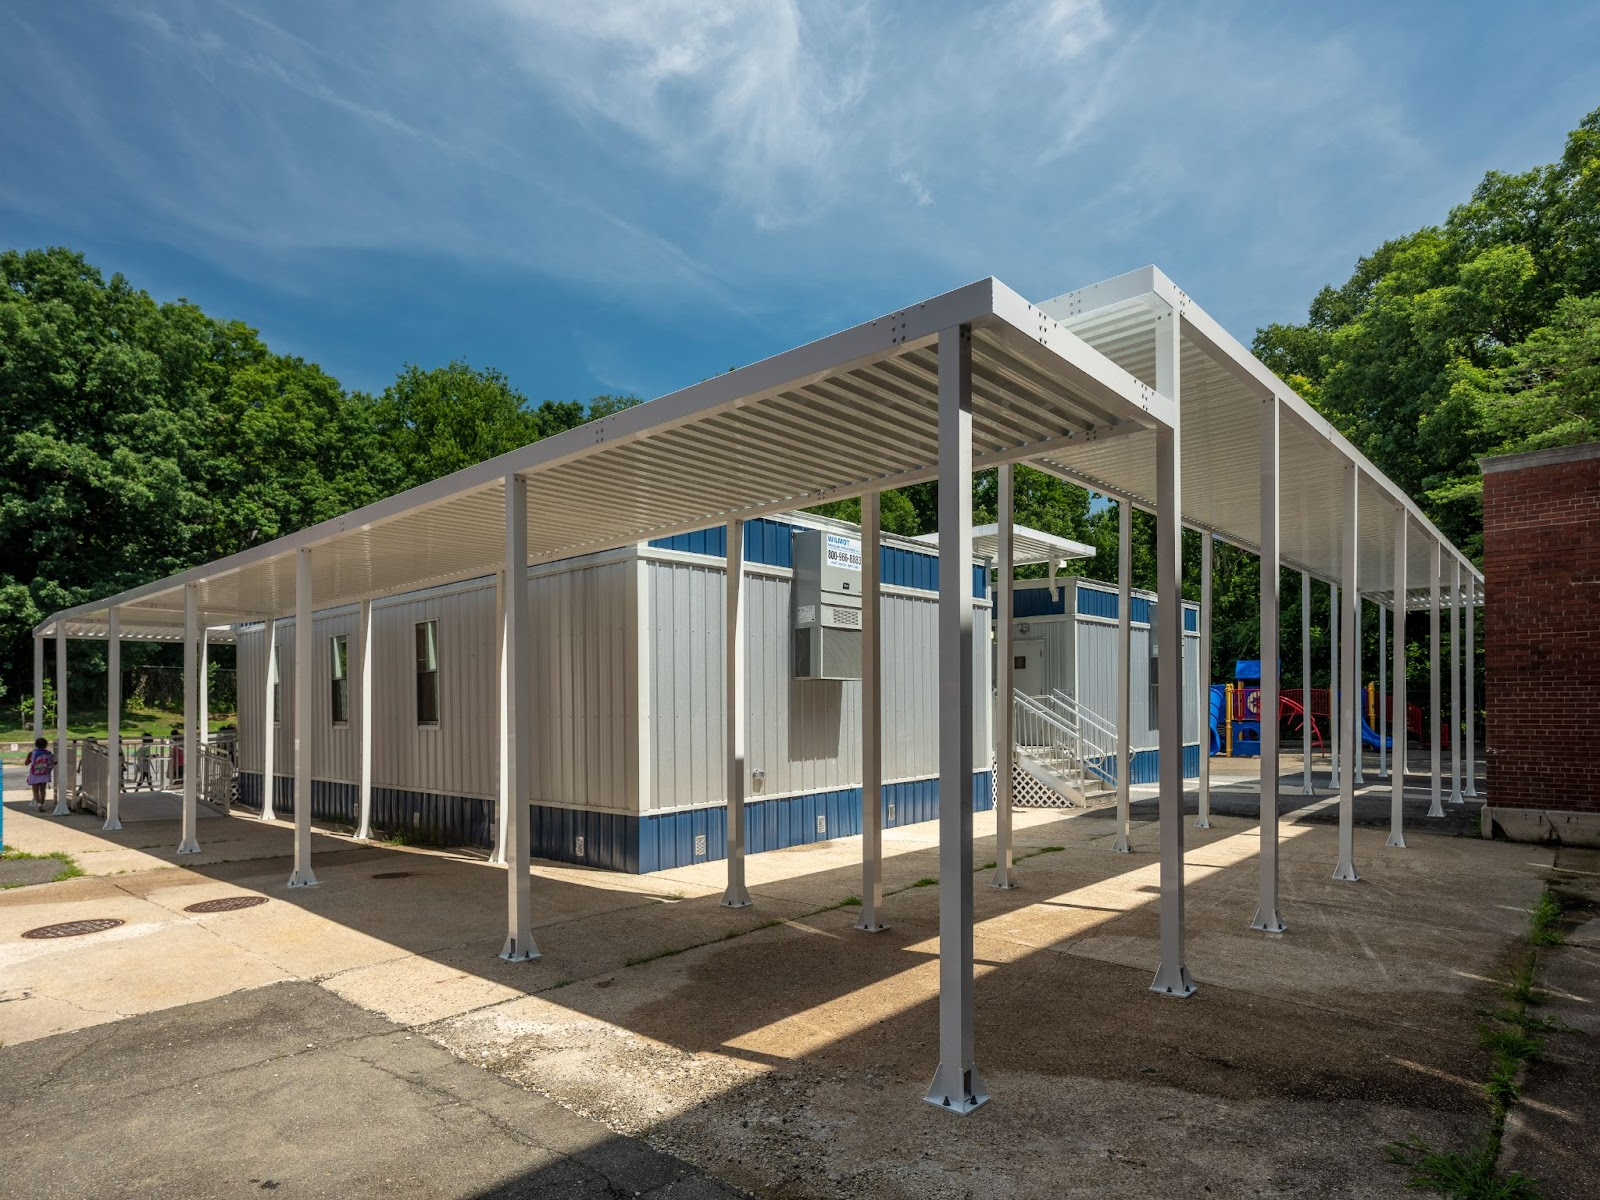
1063 754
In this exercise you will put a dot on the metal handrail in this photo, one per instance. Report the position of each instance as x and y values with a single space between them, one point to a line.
1041 731
94 775
1085 716
1097 740
217 776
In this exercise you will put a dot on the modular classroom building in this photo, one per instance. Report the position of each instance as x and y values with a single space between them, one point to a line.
628 729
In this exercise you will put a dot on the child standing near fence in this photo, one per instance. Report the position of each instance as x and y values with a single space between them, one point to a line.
41 766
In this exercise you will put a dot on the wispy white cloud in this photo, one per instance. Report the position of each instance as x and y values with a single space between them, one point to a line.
760 99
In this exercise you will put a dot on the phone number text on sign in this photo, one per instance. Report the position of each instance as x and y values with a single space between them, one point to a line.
844 552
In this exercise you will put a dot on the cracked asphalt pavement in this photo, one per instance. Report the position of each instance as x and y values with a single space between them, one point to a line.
291 1091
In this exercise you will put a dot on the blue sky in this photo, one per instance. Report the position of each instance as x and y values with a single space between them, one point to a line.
632 196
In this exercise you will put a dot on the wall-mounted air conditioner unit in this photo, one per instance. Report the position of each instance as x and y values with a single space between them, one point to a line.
827 605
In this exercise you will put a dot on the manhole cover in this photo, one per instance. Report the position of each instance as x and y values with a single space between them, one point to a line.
73 928
226 904
394 874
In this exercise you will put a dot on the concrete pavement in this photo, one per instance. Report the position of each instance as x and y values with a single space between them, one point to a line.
783 1052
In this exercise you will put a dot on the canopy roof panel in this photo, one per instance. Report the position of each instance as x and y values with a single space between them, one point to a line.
1222 390
850 413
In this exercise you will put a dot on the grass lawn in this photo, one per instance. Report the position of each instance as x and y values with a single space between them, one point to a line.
68 869
135 723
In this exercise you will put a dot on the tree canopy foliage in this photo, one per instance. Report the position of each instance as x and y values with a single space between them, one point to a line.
1480 336
140 438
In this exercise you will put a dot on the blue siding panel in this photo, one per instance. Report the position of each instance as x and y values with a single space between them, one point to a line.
1036 602
1092 602
610 840
1191 619
666 840
623 841
283 792
1140 610
771 544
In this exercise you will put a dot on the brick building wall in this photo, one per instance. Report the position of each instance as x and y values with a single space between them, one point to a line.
1541 562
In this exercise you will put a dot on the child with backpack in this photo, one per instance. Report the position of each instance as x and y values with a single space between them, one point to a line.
41 766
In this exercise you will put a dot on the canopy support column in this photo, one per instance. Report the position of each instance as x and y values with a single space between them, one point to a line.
1358 744
1382 714
1267 918
514 729
1455 683
1207 549
1124 669
503 734
113 718
736 715
189 843
65 775
1435 652
269 723
1471 647
1334 707
1172 975
363 675
956 1084
1004 571
1397 776
203 681
38 686
1345 698
1306 786
305 676
871 716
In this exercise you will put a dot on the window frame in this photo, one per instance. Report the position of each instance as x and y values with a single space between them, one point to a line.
339 674
426 641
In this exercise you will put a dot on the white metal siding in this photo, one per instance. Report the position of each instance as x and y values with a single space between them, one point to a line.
587 664
251 660
459 756
584 685
804 735
334 749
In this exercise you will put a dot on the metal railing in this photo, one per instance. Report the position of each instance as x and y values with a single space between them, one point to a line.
94 776
1060 736
1098 738
218 776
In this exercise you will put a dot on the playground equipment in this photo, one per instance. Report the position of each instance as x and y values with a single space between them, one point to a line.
1236 712
1236 715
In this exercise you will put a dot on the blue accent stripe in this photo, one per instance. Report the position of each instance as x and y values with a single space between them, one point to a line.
617 841
1036 602
770 543
1093 602
668 840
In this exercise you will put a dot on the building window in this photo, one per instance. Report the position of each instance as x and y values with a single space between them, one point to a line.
338 651
427 673
277 688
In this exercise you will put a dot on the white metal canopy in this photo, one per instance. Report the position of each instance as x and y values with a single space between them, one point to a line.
853 412
1028 546
1224 388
